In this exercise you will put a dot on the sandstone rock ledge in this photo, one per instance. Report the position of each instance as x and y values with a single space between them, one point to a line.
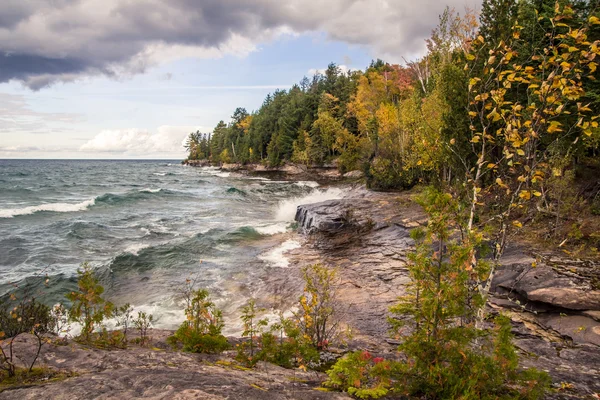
158 373
554 303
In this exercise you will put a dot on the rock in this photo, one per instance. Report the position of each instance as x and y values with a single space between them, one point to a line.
231 167
592 314
292 169
330 174
324 217
152 373
579 328
354 174
571 298
547 285
197 163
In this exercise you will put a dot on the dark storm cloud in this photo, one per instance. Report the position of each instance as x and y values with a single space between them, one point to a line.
42 41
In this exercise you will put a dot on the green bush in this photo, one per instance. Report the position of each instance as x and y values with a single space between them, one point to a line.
362 375
201 332
282 343
88 307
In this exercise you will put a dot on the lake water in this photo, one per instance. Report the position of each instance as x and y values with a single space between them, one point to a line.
146 226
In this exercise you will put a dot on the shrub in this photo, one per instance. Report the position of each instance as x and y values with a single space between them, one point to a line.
319 319
201 332
361 375
88 307
449 353
19 316
282 343
142 323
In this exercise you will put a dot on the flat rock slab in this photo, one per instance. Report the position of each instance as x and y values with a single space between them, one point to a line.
141 373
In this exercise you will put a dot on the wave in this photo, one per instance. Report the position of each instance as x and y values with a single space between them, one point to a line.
136 248
132 196
310 184
108 198
276 257
50 207
148 190
237 191
286 210
273 229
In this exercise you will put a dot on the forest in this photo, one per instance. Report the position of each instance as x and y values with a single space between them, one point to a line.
401 124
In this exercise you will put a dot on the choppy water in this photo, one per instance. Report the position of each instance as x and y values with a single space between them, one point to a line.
146 226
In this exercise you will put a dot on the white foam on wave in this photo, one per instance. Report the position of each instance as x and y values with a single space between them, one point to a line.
136 248
53 207
311 184
272 229
160 174
276 257
287 208
149 190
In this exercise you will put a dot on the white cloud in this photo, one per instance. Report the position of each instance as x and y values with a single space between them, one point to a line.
313 71
167 141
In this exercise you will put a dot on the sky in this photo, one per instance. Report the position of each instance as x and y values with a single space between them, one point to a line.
120 79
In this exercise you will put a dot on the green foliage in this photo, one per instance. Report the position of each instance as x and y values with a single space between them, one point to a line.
142 323
19 316
88 307
298 341
319 319
449 354
201 332
362 375
282 343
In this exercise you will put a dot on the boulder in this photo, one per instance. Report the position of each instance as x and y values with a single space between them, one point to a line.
549 286
231 167
354 174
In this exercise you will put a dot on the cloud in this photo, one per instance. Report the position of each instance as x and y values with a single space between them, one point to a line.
166 142
17 117
313 71
64 40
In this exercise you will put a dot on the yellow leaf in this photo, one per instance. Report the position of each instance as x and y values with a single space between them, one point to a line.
536 193
475 139
554 127
594 20
470 57
520 152
592 66
525 194
518 224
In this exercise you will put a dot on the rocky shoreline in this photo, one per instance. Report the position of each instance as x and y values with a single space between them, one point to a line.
552 301
289 170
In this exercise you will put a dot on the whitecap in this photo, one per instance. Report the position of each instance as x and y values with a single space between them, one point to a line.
310 184
149 190
276 257
52 207
287 208
272 229
135 249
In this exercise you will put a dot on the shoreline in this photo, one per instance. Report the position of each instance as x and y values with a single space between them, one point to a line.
370 250
289 171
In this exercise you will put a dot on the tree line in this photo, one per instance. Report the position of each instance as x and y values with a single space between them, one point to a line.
396 122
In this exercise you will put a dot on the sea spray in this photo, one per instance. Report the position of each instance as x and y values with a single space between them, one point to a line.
287 208
276 257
